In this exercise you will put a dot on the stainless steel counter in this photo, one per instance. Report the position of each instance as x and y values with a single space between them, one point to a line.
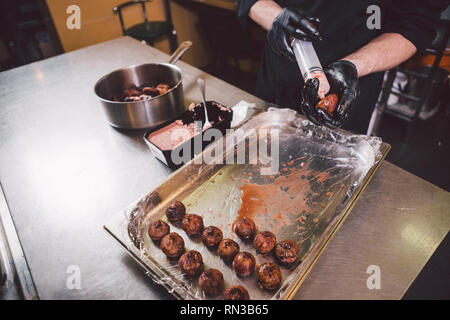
65 172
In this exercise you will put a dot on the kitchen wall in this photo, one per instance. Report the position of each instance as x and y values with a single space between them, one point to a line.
99 23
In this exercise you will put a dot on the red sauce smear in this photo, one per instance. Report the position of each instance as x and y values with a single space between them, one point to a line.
276 204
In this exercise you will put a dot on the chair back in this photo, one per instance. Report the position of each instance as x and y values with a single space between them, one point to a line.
118 10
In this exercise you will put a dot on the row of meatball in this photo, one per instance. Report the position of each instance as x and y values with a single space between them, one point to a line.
191 262
244 263
265 242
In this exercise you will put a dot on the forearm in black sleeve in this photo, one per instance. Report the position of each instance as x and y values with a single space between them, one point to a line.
416 20
244 7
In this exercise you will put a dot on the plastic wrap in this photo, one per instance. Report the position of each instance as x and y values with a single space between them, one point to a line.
319 171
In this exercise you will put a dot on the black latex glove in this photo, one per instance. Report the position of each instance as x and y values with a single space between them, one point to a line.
292 22
343 78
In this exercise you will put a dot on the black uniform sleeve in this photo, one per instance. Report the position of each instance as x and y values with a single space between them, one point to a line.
416 20
244 7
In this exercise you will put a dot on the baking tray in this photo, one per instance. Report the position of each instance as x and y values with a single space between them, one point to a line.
327 170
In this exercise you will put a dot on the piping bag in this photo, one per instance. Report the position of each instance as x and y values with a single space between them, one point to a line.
309 64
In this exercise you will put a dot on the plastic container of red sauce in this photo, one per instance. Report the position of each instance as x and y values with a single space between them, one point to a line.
170 143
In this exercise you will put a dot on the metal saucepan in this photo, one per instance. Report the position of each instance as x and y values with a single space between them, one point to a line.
146 113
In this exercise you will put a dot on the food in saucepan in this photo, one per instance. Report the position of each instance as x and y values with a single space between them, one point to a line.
176 211
244 264
211 282
157 230
143 92
172 245
245 228
236 293
228 249
212 236
286 251
264 242
191 263
269 276
193 225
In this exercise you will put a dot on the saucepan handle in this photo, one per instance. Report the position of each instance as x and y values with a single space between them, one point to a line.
176 55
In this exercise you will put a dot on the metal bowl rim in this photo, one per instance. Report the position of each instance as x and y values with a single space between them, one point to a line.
137 65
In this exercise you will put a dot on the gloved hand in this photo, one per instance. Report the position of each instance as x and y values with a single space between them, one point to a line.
292 22
343 78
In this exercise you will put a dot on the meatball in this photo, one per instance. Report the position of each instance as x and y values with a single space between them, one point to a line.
211 282
264 242
175 212
191 263
269 276
328 103
245 228
211 236
172 245
244 264
286 251
157 230
236 293
193 225
228 249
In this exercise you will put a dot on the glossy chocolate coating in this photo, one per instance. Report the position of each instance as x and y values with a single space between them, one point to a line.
211 282
245 228
236 293
157 230
212 236
193 225
269 276
264 242
191 263
172 245
286 251
244 264
176 211
228 249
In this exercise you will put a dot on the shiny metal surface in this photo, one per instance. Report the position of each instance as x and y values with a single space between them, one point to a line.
397 224
65 172
15 277
3 276
147 113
